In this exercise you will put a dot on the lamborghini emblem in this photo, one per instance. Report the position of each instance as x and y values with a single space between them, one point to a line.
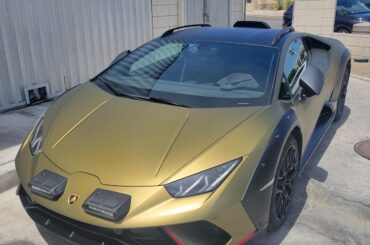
72 199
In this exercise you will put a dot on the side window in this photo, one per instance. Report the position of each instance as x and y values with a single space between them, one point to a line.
295 63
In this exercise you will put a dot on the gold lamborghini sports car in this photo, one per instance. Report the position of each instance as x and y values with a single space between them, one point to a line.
196 137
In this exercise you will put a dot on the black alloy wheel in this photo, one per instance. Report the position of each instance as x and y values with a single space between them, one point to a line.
284 183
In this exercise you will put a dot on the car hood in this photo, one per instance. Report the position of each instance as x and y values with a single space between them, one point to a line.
130 142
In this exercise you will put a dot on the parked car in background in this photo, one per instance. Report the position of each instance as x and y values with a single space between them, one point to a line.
348 13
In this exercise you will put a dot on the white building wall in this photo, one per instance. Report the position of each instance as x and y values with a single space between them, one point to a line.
237 11
64 42
165 15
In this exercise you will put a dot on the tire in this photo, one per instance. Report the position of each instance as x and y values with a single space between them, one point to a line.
342 30
342 96
284 183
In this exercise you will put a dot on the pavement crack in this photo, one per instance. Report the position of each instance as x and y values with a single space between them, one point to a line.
366 205
321 233
7 162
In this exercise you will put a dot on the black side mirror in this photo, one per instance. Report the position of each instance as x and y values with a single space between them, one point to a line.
312 81
120 56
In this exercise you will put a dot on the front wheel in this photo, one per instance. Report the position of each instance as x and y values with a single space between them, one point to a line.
284 183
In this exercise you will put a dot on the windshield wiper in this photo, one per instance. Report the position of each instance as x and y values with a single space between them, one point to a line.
165 101
118 93
110 87
138 97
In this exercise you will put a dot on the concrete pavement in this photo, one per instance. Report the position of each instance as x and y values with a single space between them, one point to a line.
331 203
14 127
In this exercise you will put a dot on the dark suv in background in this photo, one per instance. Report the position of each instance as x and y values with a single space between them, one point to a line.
348 13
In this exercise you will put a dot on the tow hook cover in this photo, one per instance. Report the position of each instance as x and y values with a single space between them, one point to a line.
48 184
108 204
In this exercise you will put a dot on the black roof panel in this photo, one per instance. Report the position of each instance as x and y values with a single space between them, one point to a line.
234 35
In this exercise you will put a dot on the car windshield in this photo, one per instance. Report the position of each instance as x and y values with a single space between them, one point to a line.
352 7
195 74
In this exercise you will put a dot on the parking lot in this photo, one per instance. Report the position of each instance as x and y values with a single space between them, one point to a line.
331 203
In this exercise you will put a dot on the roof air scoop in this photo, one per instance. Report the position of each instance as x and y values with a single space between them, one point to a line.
252 24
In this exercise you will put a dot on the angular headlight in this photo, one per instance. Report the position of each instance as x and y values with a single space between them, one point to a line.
36 139
202 182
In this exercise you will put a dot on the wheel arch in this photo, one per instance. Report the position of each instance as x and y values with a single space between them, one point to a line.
345 63
257 198
297 133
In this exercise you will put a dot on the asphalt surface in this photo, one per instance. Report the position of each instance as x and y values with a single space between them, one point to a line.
331 204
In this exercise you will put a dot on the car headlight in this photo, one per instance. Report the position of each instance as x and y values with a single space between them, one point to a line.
36 139
202 182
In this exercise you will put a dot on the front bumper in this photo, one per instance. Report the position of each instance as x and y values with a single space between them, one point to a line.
193 233
150 206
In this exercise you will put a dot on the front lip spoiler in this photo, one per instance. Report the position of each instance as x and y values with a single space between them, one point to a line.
81 233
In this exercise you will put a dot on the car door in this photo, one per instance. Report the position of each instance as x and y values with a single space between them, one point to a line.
307 109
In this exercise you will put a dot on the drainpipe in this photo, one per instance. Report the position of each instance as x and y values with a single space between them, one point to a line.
244 9
205 12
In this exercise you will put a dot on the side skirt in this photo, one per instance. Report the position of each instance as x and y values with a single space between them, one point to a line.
323 124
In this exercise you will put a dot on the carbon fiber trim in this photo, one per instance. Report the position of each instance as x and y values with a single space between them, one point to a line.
200 233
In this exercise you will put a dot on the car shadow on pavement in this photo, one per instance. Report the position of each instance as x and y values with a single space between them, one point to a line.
311 171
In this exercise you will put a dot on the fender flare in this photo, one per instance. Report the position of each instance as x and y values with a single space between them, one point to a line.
257 198
345 59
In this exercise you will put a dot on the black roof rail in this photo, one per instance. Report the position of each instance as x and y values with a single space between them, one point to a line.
170 31
281 33
252 24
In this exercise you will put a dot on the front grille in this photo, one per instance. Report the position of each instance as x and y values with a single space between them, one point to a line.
200 233
82 233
